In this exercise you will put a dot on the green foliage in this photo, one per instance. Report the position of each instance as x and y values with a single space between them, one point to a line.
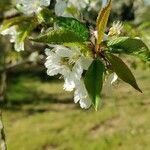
14 21
144 25
24 29
145 32
46 16
84 48
73 11
130 30
71 32
5 5
102 21
58 36
122 123
94 81
129 45
122 71
74 25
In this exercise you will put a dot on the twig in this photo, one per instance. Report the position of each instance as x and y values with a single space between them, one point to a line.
14 65
19 63
10 13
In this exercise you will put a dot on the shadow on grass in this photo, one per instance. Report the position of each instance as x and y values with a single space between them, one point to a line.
32 91
31 107
35 100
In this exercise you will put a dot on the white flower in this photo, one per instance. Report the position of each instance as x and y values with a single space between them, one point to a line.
70 63
104 3
111 79
72 76
79 4
14 38
62 6
94 36
115 29
30 6
81 95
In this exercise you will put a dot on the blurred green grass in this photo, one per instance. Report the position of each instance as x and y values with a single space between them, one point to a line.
41 116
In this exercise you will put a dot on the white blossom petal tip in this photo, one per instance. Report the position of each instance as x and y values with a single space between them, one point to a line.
12 32
116 29
81 95
108 84
31 6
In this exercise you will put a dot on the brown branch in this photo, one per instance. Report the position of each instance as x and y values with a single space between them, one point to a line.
10 13
8 67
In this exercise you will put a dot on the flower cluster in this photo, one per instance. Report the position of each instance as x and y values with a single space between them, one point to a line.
84 58
70 64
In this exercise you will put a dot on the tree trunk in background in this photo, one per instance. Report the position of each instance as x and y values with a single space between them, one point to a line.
3 86
2 134
3 74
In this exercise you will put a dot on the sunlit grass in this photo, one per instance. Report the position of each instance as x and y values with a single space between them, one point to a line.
53 121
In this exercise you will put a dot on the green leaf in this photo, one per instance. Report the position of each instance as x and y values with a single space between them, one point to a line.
74 11
131 46
58 36
122 71
24 29
102 20
14 21
94 81
84 48
144 25
74 25
46 16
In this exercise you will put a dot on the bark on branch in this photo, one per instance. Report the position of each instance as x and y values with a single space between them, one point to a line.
2 134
